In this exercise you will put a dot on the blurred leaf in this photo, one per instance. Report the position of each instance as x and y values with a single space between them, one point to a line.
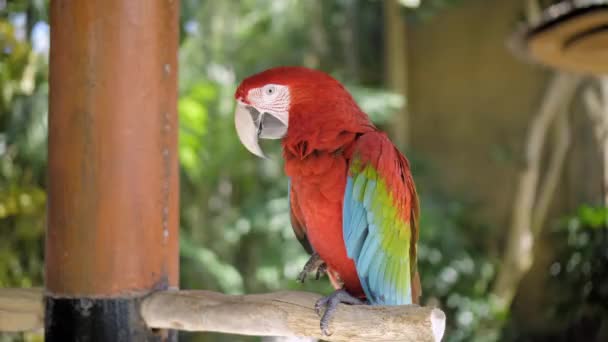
380 105
593 217
228 278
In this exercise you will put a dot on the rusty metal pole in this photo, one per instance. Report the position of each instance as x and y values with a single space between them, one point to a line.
112 233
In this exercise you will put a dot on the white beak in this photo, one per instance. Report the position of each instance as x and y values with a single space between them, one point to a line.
251 125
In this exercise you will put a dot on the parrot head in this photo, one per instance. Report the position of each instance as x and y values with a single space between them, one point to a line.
272 103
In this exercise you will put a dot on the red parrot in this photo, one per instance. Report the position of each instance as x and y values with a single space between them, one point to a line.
352 198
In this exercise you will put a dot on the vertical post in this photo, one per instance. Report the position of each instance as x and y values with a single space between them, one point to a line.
396 68
602 135
113 172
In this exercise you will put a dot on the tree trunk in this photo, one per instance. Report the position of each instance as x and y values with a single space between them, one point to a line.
597 108
520 239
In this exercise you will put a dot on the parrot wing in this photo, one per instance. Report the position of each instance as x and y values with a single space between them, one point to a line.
380 221
296 222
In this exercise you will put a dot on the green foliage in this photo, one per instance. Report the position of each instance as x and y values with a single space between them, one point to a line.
579 267
23 93
575 281
23 106
377 103
456 272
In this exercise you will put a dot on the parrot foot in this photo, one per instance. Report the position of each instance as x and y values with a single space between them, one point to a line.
330 304
314 264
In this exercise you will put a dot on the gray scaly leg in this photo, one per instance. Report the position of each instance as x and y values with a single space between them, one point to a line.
314 264
330 303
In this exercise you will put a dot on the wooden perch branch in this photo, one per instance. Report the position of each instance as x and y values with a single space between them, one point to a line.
272 314
21 310
289 314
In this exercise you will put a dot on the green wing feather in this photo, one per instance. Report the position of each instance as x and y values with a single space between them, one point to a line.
380 214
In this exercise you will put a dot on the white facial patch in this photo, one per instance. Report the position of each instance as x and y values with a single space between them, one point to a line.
265 115
272 99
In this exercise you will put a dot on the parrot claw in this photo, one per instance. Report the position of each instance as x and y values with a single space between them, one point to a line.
314 264
330 304
321 271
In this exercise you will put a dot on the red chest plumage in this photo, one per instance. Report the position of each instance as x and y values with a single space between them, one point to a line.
317 184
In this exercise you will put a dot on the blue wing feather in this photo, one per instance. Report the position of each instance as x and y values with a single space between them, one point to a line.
368 228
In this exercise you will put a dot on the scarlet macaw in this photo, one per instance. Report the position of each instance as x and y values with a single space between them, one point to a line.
352 198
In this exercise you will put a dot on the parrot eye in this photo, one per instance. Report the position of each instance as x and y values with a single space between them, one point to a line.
269 90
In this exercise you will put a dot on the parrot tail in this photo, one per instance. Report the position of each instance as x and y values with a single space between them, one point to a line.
416 289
